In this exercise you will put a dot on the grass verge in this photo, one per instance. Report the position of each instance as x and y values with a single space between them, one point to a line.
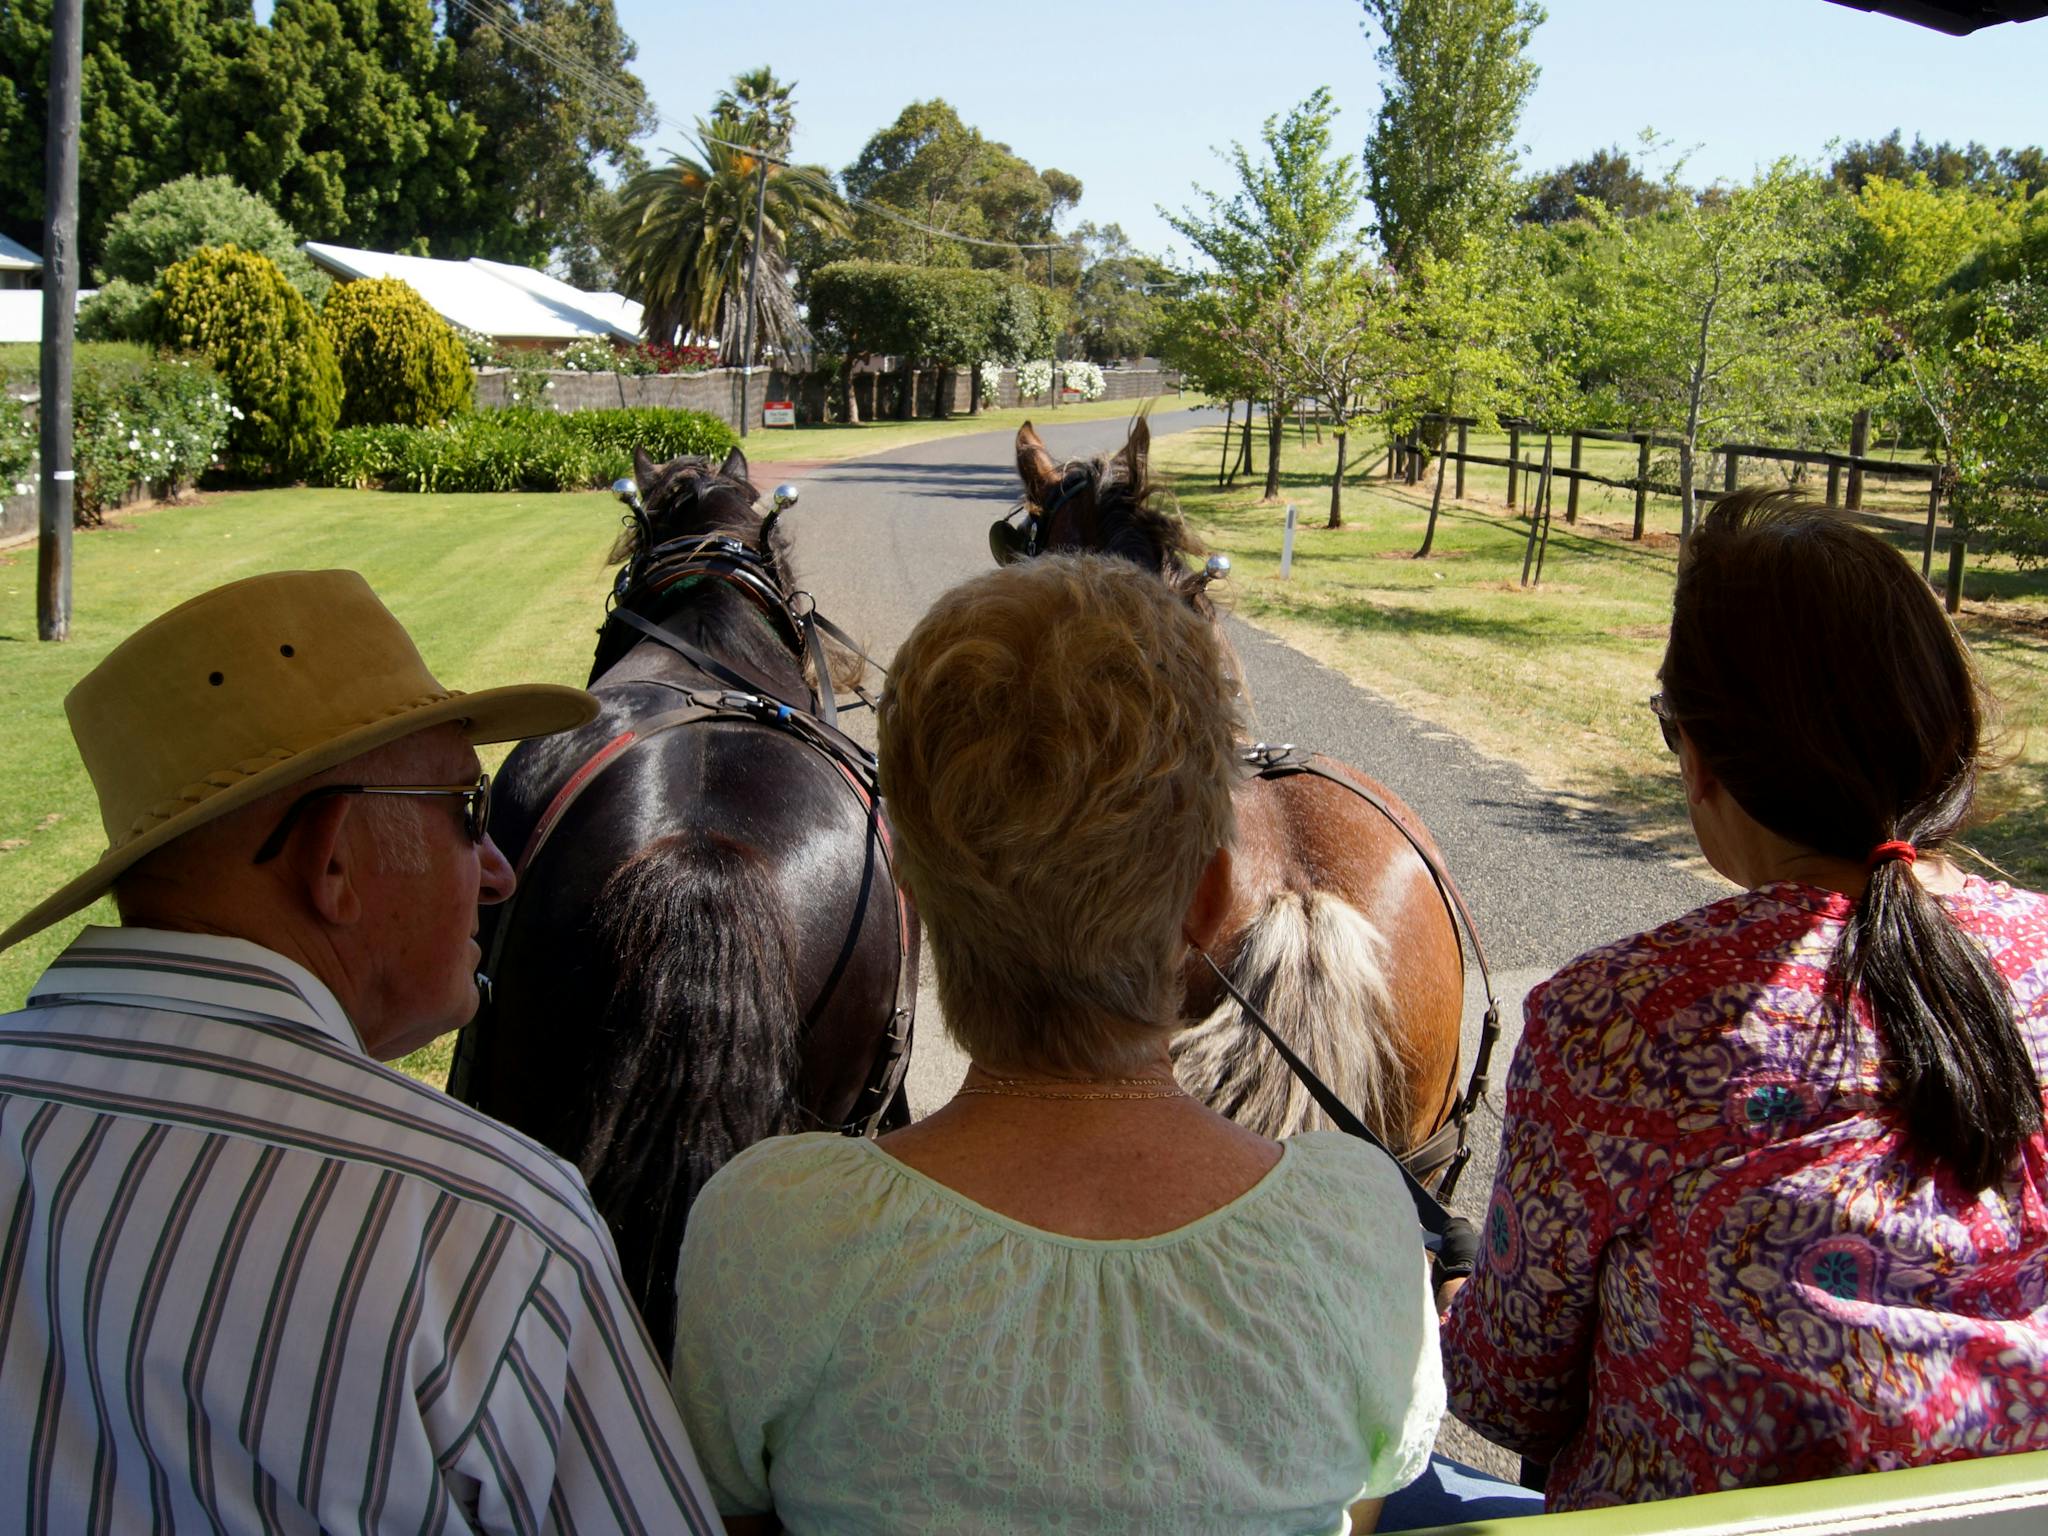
1554 676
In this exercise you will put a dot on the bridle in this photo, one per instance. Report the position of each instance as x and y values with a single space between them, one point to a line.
1442 1155
644 580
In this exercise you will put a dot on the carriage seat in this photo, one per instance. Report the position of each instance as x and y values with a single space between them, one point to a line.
1989 1496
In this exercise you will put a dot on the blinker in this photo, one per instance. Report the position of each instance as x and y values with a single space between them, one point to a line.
1008 543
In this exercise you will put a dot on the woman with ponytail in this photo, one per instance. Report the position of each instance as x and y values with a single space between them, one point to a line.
1773 1191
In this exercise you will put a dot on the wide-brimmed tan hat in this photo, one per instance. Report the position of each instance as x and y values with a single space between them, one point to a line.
253 687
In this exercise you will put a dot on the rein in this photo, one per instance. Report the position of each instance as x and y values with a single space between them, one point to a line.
1447 1149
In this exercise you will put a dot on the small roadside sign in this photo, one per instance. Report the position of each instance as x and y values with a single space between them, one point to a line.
778 413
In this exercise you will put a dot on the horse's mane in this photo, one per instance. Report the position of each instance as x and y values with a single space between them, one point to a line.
1139 522
682 501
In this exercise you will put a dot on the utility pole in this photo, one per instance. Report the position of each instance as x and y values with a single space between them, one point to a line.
1055 382
60 304
753 280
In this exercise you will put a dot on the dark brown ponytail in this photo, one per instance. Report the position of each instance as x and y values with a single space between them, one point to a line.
1818 677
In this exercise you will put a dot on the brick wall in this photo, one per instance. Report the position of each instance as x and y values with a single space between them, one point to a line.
717 391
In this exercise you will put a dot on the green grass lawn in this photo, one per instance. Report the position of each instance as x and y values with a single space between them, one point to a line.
1555 677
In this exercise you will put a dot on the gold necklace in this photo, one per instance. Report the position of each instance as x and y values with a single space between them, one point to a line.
1095 1088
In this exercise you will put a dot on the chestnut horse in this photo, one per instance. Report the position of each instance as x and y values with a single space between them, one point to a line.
707 945
1337 931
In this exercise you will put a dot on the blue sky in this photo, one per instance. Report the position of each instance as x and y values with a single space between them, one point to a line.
1129 95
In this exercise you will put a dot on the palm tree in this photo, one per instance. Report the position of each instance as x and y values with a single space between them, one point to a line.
763 106
686 233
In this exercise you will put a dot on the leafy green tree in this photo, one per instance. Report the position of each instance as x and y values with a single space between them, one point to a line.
552 114
137 57
1440 161
685 233
1290 221
931 168
340 114
1717 319
1995 430
2022 171
1121 296
1607 176
170 222
237 310
400 361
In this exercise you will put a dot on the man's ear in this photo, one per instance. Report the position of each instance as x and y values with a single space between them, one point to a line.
1210 907
323 860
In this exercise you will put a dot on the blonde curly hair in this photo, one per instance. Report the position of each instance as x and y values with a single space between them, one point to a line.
1058 752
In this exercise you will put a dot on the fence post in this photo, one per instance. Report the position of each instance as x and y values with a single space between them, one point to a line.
1536 513
1548 496
1287 545
1834 485
1728 476
1461 461
1642 480
1933 510
1514 458
1859 442
1571 504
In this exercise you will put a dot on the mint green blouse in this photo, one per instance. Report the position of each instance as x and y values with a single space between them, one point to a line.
864 1349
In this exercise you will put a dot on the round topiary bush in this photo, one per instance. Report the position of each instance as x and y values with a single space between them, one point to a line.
238 311
400 362
170 222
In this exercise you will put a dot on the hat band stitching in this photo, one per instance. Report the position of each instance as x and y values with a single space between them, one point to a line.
225 778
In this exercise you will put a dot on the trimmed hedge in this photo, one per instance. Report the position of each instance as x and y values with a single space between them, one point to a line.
517 450
400 361
237 310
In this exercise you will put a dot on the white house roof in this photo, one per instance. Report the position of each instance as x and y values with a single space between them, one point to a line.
16 257
21 312
490 296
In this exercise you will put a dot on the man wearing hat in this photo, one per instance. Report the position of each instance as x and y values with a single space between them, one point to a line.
251 1279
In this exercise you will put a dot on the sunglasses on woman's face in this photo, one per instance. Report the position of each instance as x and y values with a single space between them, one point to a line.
1666 721
476 807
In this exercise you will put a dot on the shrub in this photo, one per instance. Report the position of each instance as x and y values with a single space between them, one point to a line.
17 447
400 361
481 350
171 222
120 311
235 309
160 424
516 450
587 354
1085 379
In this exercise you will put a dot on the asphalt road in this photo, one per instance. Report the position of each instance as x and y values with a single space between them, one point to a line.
878 539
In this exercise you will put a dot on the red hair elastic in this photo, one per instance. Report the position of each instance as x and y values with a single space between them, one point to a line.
1894 850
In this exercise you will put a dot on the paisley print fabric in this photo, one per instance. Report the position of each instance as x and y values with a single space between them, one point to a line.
867 1350
1711 1259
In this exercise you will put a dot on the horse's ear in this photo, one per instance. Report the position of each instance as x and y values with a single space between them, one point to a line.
1137 447
735 467
1035 467
644 469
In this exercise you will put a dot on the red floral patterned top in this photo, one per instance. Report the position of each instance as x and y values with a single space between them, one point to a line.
1710 1260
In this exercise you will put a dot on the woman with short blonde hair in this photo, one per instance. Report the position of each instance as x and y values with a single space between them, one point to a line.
1074 1297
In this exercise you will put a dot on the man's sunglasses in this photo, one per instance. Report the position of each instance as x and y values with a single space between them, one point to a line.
1666 721
476 807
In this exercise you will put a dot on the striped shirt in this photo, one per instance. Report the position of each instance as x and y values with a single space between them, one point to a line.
252 1280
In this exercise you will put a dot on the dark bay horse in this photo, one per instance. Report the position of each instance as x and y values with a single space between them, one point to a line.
707 946
1337 932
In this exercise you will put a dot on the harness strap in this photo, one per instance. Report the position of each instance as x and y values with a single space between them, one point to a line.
699 658
1278 762
1428 1209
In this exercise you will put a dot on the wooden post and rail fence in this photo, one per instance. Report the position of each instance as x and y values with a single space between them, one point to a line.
1412 449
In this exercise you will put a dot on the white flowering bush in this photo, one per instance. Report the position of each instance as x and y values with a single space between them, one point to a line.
17 448
587 354
989 380
480 349
160 424
1085 379
1034 377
